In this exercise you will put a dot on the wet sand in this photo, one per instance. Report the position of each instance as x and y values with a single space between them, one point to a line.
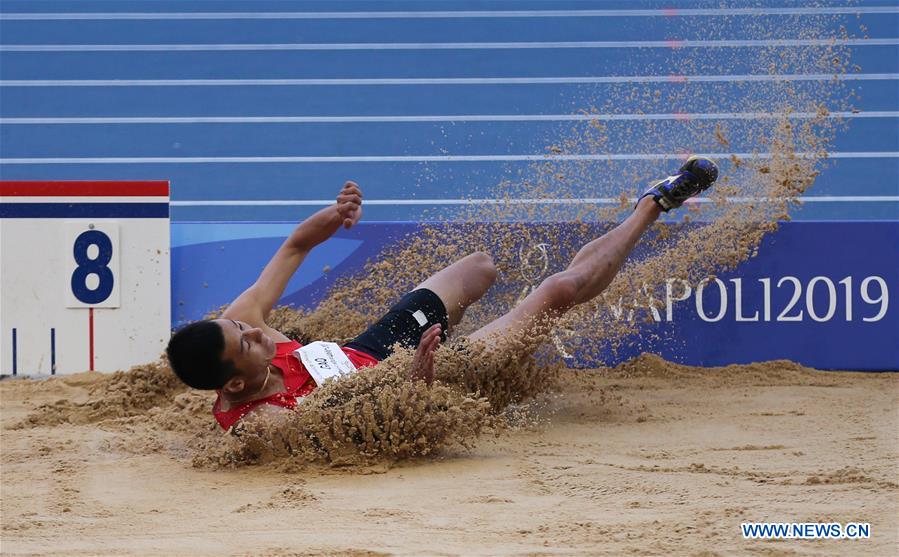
648 458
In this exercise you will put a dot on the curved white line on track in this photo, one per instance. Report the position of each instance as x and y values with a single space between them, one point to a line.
445 14
344 82
422 158
728 43
525 201
42 120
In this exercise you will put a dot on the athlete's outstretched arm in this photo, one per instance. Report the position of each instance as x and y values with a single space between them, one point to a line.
254 305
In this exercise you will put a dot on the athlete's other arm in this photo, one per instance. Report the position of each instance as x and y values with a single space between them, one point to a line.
256 302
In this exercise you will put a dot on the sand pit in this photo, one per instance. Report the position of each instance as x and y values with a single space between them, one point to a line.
648 458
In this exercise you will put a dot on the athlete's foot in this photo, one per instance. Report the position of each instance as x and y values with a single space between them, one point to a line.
696 175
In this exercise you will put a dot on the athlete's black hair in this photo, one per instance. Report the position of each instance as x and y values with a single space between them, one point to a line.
195 354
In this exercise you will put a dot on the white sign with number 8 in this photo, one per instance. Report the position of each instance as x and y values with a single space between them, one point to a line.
85 272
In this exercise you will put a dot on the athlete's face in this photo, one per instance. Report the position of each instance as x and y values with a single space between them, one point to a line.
248 348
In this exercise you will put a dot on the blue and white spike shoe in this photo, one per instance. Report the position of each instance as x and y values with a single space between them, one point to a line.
696 175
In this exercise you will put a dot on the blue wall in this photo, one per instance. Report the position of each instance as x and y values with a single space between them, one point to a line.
841 324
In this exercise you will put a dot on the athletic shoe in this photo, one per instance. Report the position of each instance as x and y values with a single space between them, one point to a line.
696 175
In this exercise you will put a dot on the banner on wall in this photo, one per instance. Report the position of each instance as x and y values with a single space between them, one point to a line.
819 293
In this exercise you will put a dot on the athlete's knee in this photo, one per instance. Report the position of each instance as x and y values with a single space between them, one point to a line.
483 262
561 290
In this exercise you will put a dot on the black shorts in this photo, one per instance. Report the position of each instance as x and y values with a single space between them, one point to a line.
406 321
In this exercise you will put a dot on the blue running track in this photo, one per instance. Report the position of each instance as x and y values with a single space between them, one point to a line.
431 101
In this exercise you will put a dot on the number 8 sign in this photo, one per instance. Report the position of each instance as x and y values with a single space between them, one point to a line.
85 268
92 264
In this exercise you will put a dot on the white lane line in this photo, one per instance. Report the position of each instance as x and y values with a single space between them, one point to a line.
446 80
436 118
549 201
728 43
461 14
424 158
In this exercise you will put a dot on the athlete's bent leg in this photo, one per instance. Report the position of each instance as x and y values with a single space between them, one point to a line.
462 283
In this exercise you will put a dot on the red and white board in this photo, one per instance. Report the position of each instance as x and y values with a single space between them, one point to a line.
84 275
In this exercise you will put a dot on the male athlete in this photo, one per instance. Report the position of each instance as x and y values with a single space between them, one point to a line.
257 371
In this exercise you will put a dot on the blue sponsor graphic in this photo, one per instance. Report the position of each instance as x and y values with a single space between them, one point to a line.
818 293
212 263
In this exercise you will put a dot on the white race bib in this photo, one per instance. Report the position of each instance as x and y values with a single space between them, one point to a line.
324 360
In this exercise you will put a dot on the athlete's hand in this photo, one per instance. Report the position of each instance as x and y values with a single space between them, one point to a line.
423 362
349 204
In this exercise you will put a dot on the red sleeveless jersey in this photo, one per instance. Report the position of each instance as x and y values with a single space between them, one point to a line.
297 383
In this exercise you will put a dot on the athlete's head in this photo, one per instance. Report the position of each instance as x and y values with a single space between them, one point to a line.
221 354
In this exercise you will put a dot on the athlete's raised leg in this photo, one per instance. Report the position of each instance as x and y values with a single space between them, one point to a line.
462 283
588 274
597 263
